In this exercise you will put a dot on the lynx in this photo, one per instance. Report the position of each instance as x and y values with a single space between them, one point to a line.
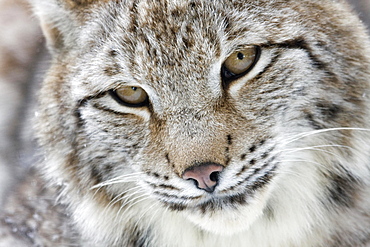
190 123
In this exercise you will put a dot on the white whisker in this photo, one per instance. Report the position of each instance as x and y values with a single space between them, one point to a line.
120 179
144 213
166 209
156 212
316 148
127 199
143 197
107 184
305 161
315 132
120 197
130 197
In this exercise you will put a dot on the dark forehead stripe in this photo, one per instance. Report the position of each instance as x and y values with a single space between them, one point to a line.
83 3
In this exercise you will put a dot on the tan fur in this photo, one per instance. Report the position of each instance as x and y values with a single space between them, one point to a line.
290 137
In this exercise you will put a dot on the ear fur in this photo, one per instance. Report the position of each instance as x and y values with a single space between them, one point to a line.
60 20
53 36
55 23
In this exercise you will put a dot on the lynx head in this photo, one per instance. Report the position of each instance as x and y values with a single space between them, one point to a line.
227 112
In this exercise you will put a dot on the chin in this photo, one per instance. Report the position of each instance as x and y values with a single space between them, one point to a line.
227 220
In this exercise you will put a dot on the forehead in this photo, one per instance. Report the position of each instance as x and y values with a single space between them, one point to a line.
154 41
172 27
168 32
159 40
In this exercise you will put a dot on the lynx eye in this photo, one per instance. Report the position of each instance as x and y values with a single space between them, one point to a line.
130 96
240 62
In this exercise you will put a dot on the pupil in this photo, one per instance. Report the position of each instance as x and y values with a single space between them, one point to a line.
240 56
134 88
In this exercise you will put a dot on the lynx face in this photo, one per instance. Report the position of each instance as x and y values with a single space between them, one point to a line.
227 113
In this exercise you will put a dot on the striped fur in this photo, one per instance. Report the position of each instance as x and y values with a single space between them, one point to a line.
292 134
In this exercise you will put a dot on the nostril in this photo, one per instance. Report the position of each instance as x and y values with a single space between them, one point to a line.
205 176
214 176
195 181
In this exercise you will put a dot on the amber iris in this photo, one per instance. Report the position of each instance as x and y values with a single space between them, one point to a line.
240 62
131 95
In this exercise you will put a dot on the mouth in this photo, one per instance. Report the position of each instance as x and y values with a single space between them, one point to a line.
224 215
237 202
240 193
204 205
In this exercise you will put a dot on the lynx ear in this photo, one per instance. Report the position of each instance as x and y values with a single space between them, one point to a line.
55 20
53 35
60 20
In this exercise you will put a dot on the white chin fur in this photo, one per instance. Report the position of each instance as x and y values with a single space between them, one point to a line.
228 221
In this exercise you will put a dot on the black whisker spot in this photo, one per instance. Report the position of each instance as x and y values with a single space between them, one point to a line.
243 156
264 155
176 207
229 140
113 53
228 159
167 187
242 170
167 156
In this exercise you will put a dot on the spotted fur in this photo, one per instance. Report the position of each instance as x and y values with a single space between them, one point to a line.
292 135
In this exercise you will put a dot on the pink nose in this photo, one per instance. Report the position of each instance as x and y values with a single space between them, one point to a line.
204 175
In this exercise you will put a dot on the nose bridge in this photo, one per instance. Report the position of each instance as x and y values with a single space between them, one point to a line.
190 124
194 137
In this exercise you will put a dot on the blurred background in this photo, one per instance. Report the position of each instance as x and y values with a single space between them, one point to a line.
23 61
21 45
362 7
